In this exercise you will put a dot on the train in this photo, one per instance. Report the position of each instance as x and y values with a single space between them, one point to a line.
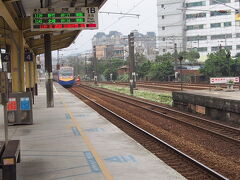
65 76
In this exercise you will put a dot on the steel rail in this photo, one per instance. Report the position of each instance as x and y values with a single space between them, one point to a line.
174 118
162 87
199 164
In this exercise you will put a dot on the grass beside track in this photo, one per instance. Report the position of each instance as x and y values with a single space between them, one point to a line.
163 98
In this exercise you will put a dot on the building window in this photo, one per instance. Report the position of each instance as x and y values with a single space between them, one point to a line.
238 46
227 24
195 4
162 5
215 25
220 13
194 27
217 48
219 1
221 36
164 50
202 49
162 16
228 47
197 15
196 38
163 28
164 39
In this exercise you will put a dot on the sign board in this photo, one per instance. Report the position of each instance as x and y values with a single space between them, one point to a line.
28 56
223 80
25 104
12 104
5 57
59 19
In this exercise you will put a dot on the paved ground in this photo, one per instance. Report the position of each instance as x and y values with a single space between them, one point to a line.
71 141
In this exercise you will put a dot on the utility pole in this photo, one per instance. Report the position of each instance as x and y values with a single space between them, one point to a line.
175 56
131 62
95 65
180 58
228 56
85 66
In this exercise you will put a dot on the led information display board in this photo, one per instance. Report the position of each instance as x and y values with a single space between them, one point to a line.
59 19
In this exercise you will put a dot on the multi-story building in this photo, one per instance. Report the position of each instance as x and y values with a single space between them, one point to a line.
115 45
170 25
205 25
109 45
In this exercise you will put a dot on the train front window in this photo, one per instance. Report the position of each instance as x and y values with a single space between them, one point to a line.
66 73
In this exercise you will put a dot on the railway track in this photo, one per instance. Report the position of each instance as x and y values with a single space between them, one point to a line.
184 164
225 132
161 86
169 86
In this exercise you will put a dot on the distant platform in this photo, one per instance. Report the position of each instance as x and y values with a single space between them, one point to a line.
218 105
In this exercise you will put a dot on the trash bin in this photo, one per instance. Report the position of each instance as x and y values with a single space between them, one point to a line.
19 108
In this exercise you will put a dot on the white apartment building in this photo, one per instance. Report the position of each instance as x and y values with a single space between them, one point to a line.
205 25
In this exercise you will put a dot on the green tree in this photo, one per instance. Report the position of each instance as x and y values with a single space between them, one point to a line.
218 65
109 66
184 54
77 64
161 70
193 56
235 67
164 57
144 69
140 59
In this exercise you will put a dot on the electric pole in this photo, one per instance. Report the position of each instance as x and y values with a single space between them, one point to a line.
85 66
131 62
175 55
180 58
228 56
95 65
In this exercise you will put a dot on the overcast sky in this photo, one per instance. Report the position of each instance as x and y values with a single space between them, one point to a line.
124 24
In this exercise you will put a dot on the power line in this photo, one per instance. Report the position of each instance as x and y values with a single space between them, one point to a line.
123 16
120 13
225 4
203 10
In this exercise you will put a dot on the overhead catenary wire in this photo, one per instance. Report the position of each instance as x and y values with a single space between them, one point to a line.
119 13
225 4
117 21
120 17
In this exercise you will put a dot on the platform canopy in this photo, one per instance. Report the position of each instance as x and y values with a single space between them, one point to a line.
17 16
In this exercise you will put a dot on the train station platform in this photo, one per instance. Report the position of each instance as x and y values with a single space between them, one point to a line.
221 105
71 141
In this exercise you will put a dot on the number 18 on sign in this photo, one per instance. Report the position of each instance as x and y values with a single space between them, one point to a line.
58 19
